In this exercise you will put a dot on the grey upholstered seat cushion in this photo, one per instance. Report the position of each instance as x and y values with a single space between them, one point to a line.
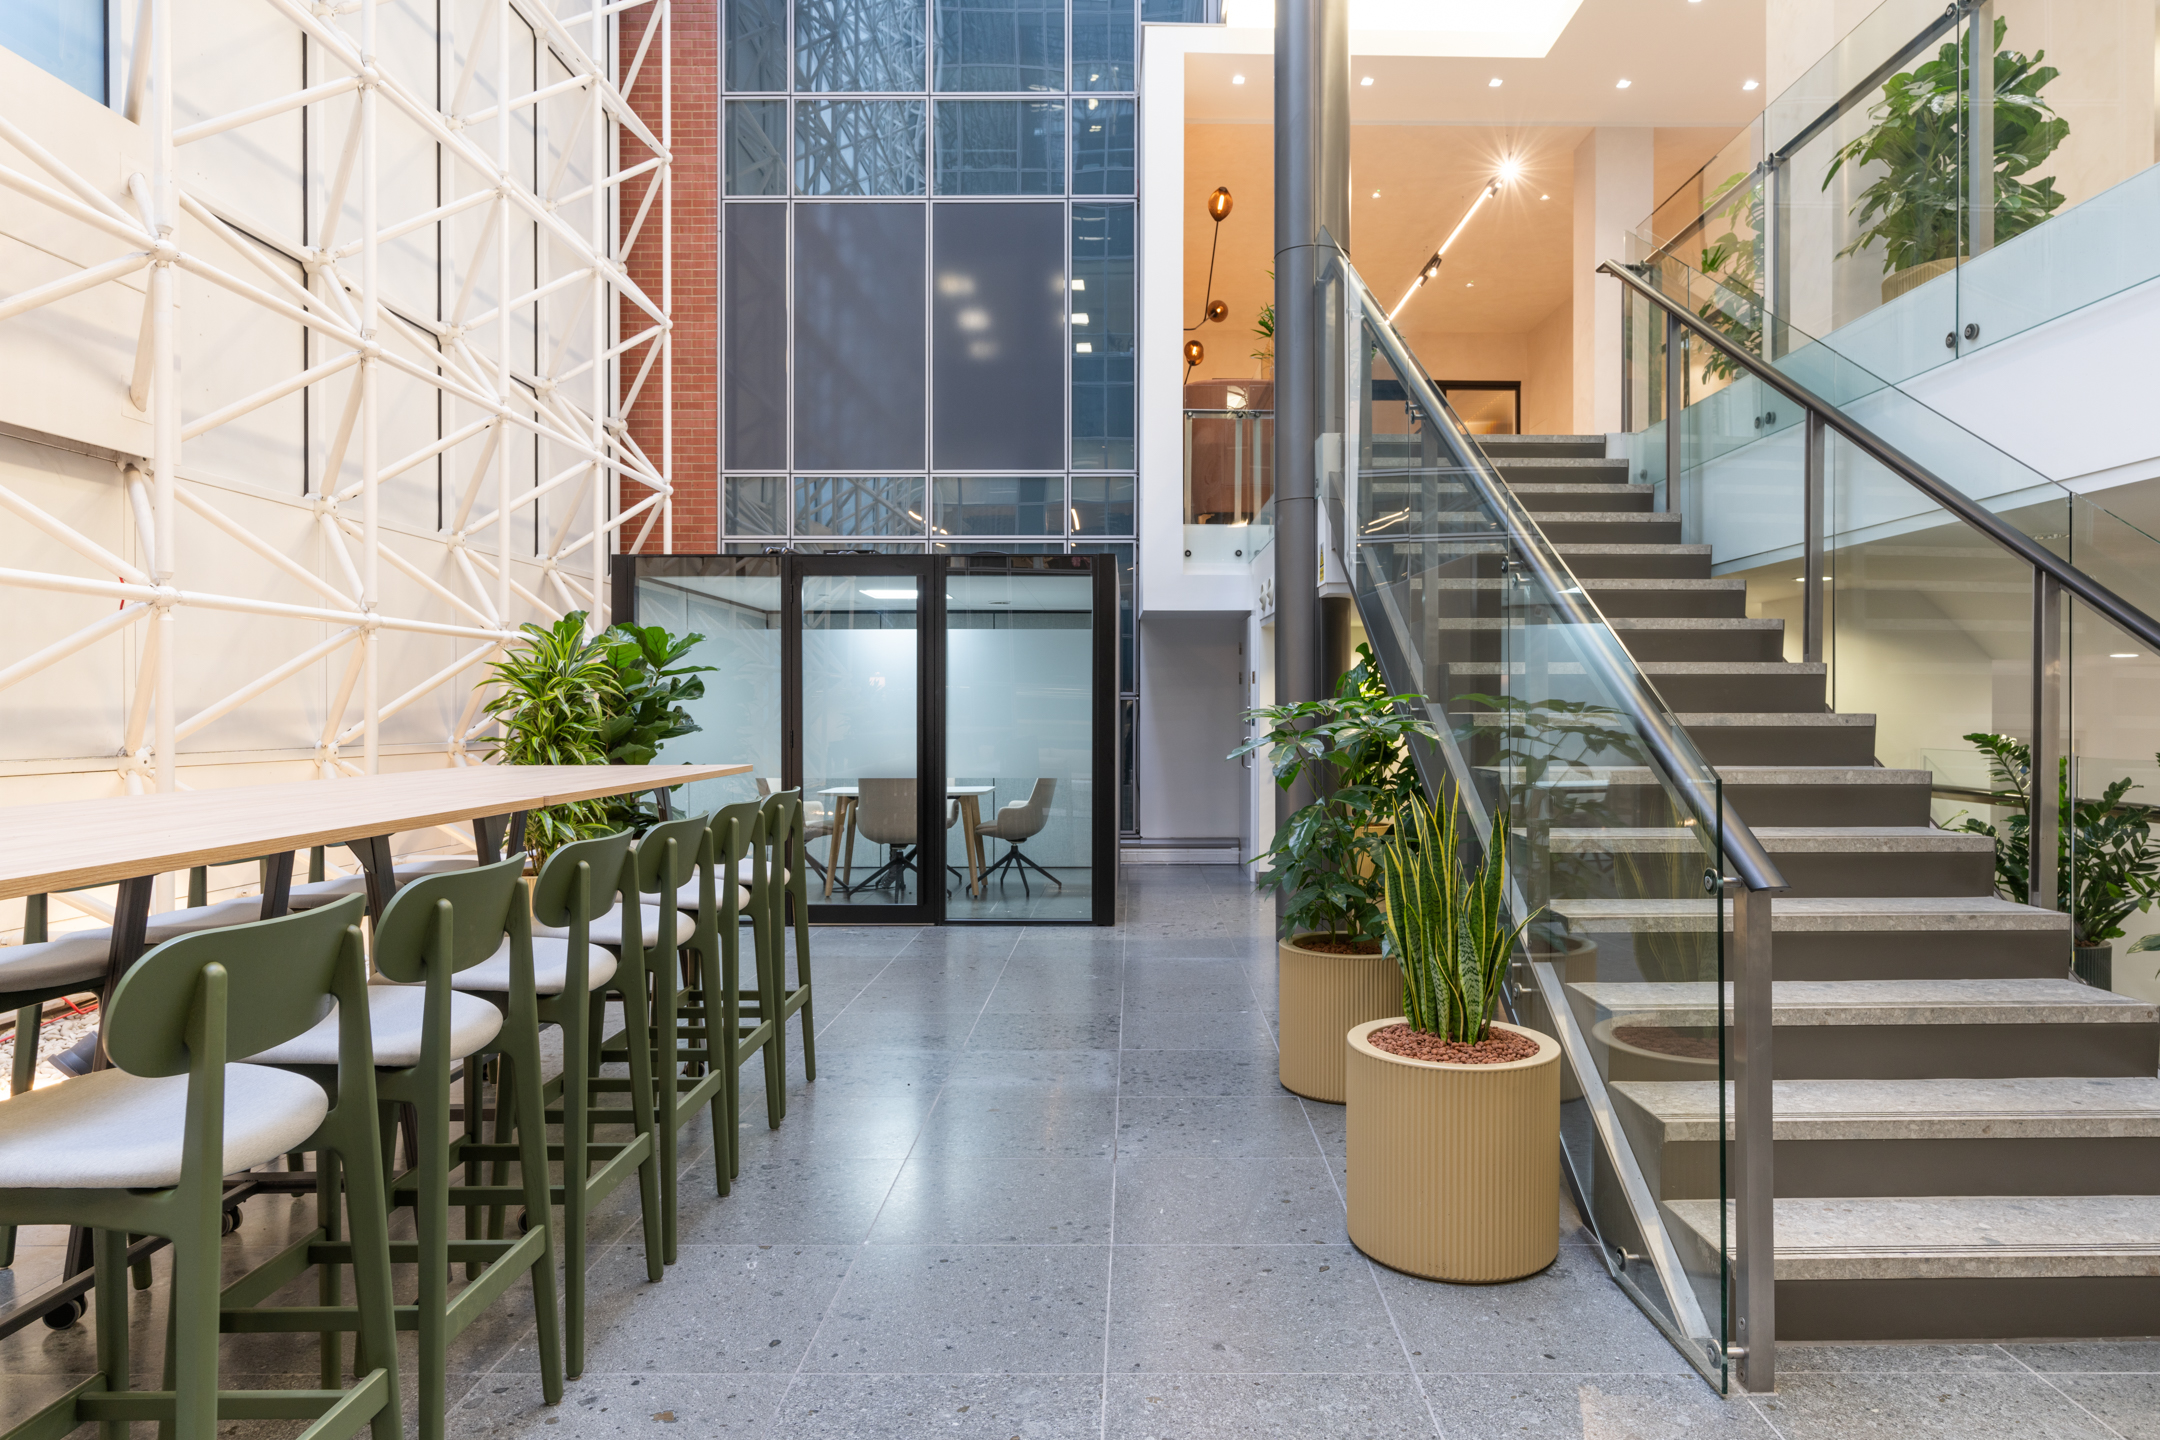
551 968
607 930
77 958
110 1130
394 1019
314 894
686 899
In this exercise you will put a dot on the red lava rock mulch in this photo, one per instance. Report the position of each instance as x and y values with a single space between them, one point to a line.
1498 1048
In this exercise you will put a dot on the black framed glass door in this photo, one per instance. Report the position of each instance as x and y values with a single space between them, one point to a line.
950 719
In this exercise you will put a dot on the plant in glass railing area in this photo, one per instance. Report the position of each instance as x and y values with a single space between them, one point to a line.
1355 747
565 698
1914 206
1734 259
2106 863
1447 924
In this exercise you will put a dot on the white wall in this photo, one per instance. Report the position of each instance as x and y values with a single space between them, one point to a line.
1614 171
1190 697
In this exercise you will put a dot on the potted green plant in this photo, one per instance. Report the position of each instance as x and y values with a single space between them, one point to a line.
2106 864
566 698
1454 1115
1354 748
1916 205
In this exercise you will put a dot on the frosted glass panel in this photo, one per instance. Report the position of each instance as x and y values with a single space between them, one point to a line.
1000 44
757 147
859 46
1000 147
753 324
1103 132
859 338
860 654
997 351
859 147
739 718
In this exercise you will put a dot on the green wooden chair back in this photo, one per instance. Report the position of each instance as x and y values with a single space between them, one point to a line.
480 900
657 873
593 868
281 973
737 831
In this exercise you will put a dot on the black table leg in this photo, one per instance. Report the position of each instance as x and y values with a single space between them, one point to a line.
373 854
131 920
517 832
277 885
488 831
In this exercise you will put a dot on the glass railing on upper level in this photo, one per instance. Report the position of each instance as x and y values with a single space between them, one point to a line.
1229 473
1560 748
1913 206
1923 618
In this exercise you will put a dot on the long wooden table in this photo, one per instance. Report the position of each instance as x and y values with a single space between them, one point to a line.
130 840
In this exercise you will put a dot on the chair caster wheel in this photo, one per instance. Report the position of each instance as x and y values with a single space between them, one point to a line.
231 1221
63 1317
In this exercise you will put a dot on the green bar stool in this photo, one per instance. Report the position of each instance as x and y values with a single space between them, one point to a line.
434 929
143 1147
572 977
788 896
745 1026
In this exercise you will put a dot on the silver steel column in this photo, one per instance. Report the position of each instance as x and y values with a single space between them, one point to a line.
1675 388
2047 741
1754 1171
1811 603
1980 129
1772 269
1312 196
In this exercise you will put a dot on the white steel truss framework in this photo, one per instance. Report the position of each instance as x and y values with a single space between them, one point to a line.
556 365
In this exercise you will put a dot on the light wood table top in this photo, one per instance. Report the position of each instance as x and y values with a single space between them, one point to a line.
65 845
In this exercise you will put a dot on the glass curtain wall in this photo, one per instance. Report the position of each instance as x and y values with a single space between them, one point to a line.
928 279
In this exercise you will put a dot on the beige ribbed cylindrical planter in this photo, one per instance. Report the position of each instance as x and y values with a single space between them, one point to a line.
1319 998
1454 1170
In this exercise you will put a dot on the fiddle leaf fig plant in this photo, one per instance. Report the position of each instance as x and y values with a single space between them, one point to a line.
1355 748
1915 206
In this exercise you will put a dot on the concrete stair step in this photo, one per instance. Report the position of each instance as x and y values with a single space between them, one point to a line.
1951 1267
1533 468
1647 598
1701 685
1595 527
2044 1135
1890 937
1804 737
1827 861
1695 637
1762 794
1884 1029
1499 447
1636 562
1559 494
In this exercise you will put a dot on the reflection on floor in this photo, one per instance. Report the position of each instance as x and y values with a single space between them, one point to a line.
1006 896
1046 1186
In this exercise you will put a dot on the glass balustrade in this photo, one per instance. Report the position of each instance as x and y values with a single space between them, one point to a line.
1229 473
1560 750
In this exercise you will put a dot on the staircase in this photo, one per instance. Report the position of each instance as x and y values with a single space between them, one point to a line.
1967 1141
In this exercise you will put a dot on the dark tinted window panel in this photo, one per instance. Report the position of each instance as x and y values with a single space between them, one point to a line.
1102 505
1000 45
757 44
754 337
1000 147
859 147
1102 45
999 505
1176 12
859 46
1128 676
1103 132
859 337
757 147
997 357
1102 337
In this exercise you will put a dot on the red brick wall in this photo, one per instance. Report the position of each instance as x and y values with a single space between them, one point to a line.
695 142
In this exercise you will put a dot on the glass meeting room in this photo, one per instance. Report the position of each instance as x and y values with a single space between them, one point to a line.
949 720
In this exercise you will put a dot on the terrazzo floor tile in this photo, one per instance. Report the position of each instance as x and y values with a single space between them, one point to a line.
998 1200
1235 1407
1015 1121
1589 1407
1256 1126
785 1199
969 1407
1275 1309
1567 1317
967 1309
1046 1030
2128 1404
615 1405
1917 1407
1205 1199
1149 1028
1199 1072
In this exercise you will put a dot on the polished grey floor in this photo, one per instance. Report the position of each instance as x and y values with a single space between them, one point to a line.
1046 1185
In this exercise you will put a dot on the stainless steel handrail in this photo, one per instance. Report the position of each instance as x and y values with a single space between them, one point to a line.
1911 471
1670 748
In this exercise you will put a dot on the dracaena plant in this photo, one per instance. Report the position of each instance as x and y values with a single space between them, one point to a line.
566 698
1447 926
1355 749
2106 863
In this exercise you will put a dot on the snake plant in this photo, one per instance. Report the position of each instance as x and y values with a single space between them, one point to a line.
1447 926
